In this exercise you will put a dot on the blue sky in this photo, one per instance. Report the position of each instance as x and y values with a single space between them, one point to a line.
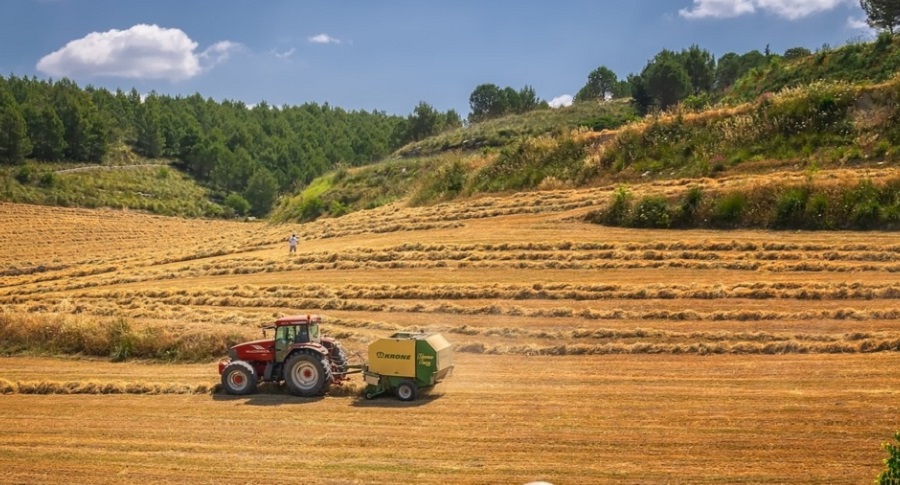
388 55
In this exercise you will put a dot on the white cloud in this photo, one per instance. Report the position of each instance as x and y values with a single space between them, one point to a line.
858 23
561 101
789 9
141 52
285 54
324 39
717 8
217 53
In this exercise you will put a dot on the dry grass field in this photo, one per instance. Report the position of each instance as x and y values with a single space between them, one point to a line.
584 354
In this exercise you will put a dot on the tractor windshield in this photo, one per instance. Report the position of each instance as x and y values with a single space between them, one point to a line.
300 334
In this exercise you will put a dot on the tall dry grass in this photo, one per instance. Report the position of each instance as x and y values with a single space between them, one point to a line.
115 338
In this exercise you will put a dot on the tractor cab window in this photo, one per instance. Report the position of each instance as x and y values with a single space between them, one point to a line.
314 332
303 334
285 334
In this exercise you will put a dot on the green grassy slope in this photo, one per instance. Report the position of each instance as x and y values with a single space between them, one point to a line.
503 131
516 152
151 186
871 62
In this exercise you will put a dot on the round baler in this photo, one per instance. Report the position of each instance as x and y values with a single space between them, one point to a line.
406 363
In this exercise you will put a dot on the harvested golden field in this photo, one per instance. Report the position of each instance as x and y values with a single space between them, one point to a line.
584 354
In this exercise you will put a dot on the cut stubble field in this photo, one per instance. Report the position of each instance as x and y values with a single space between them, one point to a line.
498 419
584 354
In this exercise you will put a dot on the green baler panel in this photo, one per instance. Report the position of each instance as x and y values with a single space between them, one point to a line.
426 363
434 358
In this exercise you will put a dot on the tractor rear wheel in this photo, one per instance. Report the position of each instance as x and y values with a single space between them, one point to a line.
307 374
239 378
407 391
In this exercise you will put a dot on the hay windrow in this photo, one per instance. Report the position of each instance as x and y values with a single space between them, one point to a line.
99 387
701 348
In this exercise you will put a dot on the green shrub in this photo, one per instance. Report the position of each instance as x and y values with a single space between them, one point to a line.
790 208
237 203
698 102
816 213
866 214
25 174
689 208
311 208
447 183
891 473
883 42
47 179
652 211
340 174
891 215
730 208
618 212
337 209
861 205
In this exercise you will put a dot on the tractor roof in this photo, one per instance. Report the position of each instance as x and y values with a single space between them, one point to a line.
297 319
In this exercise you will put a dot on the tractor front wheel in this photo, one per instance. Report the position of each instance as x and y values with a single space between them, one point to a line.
407 391
306 374
239 378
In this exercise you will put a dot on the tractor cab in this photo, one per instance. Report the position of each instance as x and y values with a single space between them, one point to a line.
294 330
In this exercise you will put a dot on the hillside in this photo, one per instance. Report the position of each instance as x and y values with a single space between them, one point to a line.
435 169
508 130
805 130
125 181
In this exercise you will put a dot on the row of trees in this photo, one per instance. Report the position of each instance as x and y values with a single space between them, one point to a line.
423 122
235 149
671 76
489 101
667 79
60 123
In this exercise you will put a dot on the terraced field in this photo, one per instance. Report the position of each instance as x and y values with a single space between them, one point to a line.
585 354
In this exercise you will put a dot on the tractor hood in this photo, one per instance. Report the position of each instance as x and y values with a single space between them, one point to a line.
257 350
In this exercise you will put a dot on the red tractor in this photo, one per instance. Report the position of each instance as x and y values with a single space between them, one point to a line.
298 355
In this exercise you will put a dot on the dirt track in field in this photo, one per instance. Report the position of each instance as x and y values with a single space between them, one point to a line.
585 354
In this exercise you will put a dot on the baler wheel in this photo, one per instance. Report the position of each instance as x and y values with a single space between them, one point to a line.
407 391
239 378
306 374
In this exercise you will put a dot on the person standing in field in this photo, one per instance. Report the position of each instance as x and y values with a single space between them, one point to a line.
292 243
